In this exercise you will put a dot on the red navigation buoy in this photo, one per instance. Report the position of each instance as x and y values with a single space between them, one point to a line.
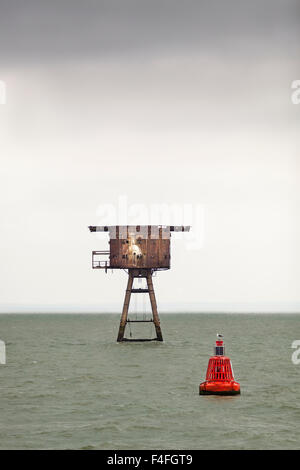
219 376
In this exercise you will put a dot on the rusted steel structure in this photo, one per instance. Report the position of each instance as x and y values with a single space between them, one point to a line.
140 250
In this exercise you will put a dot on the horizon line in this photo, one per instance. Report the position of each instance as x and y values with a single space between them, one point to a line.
178 312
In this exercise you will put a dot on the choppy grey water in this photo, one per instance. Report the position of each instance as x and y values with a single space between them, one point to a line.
67 384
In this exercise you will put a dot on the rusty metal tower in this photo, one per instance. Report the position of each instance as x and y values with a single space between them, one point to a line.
140 250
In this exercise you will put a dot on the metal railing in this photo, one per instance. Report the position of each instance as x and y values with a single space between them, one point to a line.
97 262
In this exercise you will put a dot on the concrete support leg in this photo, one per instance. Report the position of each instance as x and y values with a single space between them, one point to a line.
125 308
156 320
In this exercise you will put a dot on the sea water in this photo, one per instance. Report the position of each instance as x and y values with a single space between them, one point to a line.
67 383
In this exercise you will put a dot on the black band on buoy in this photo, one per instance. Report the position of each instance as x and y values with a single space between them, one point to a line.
219 348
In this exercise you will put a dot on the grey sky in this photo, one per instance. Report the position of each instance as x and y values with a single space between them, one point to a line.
160 102
67 29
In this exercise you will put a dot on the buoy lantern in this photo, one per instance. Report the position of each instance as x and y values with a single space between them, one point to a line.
219 376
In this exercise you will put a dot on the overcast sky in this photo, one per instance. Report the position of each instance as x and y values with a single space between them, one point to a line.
150 102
